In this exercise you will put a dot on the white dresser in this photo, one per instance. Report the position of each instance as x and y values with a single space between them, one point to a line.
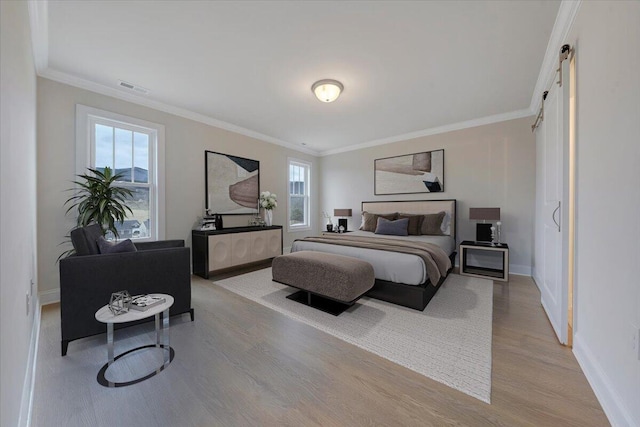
214 250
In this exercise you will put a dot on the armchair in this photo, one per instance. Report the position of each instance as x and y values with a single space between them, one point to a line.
88 278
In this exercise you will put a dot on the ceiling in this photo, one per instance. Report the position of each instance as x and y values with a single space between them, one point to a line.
407 67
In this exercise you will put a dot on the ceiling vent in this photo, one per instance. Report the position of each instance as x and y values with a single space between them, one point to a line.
133 87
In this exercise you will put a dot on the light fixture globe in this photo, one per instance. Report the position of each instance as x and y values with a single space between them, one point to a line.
327 90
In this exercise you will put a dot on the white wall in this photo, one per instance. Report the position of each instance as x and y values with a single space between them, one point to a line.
606 36
17 207
485 166
185 143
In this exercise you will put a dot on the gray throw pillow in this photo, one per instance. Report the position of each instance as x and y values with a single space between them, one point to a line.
393 228
107 247
432 223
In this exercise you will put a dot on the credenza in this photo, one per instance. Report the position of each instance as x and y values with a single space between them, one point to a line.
214 250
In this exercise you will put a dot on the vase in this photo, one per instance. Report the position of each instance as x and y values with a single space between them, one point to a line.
268 217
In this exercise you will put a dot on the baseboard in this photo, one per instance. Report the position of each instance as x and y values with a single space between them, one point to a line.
607 395
520 270
536 278
49 297
26 404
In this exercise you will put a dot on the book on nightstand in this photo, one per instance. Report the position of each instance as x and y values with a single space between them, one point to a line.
145 302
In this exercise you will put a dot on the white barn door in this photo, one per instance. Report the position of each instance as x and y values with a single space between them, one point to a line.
550 269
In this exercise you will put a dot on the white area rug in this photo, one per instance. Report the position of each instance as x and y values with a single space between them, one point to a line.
450 341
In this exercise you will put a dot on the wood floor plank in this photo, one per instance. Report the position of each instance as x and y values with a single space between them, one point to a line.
241 363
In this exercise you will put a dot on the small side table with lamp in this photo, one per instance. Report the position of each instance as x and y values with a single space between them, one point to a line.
487 242
342 221
486 232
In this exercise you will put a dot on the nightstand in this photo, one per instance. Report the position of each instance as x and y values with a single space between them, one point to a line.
501 249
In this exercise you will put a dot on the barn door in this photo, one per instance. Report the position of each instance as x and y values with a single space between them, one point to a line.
552 172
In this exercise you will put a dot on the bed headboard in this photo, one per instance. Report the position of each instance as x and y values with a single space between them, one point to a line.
416 207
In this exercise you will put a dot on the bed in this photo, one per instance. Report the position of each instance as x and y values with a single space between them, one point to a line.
401 278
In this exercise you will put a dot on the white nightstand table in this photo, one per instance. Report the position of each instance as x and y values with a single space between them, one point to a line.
501 274
105 315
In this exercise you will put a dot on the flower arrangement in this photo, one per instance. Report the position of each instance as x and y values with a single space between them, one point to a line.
326 216
268 200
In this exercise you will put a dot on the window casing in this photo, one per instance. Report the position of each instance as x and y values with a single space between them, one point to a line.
299 188
134 148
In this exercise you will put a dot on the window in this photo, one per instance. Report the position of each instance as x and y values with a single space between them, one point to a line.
299 189
133 148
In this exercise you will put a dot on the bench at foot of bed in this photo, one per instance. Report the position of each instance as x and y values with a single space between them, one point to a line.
328 282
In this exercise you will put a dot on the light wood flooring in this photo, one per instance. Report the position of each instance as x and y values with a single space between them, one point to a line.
242 364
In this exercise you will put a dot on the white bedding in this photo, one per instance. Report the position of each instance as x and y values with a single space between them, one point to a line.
391 266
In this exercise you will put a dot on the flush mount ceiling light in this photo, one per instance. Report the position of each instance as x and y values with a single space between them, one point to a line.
327 90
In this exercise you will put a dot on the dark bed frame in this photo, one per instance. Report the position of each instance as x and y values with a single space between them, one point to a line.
412 296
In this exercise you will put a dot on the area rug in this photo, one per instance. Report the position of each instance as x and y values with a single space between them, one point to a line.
450 341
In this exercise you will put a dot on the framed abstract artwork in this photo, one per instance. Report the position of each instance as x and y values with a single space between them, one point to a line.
410 173
232 184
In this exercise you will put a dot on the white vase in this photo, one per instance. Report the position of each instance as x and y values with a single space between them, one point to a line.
268 217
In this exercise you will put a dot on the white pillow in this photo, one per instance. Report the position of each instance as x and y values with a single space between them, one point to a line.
446 224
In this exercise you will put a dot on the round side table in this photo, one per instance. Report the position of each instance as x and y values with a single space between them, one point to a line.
104 315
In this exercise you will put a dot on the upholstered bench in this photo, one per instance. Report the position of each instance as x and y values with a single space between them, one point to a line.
328 282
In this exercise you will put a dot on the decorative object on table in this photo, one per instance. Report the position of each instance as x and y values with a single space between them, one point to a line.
232 184
145 302
120 302
483 229
498 231
256 221
326 216
207 223
410 173
268 201
342 222
97 199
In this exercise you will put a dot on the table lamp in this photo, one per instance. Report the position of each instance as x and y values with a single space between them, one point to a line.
483 229
342 222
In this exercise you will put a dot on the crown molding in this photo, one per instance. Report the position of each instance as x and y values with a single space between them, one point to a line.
38 15
564 21
518 114
39 20
113 92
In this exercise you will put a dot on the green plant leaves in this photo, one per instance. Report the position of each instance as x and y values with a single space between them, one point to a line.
98 199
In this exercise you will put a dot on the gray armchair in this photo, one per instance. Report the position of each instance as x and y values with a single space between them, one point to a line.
88 278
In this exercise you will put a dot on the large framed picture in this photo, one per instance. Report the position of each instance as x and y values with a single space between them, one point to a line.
232 184
410 173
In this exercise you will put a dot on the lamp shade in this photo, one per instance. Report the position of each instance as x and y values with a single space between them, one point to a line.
327 90
488 214
342 212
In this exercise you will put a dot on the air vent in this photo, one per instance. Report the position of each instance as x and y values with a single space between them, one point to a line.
133 87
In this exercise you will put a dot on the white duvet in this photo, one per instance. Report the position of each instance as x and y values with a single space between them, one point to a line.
391 266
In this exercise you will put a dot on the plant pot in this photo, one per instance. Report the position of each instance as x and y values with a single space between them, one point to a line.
268 217
329 227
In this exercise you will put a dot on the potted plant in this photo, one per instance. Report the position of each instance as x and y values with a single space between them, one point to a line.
97 199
